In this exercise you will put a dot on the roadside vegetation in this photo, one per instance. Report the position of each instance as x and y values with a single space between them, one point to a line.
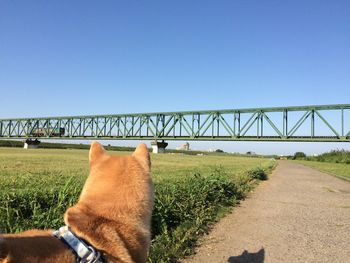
336 162
192 192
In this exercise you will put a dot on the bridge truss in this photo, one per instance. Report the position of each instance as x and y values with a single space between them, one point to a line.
302 123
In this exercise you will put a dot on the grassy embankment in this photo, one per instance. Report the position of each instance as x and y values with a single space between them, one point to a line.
36 187
336 163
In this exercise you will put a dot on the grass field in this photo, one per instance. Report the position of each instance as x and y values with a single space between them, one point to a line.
36 187
51 168
341 170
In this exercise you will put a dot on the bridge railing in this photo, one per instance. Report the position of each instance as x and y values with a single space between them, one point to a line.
302 123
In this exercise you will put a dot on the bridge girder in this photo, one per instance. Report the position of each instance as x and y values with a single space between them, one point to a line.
317 123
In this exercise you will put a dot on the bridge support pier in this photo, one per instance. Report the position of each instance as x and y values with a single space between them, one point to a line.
31 144
159 147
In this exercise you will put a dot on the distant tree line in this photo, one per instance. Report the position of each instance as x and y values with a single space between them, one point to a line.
334 156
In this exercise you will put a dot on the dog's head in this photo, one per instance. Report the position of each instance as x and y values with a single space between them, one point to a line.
118 183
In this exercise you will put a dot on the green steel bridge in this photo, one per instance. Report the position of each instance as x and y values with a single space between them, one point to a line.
317 123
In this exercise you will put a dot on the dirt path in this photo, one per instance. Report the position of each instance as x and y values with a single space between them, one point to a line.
298 215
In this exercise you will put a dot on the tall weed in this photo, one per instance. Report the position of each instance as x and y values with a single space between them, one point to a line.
185 209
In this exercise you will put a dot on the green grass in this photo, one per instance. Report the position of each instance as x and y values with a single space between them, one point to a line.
51 168
37 186
341 170
41 169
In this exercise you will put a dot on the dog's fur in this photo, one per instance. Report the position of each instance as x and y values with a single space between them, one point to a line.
113 214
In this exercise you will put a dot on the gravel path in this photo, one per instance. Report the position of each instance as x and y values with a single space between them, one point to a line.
298 215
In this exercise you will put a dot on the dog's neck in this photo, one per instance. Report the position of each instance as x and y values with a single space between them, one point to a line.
82 250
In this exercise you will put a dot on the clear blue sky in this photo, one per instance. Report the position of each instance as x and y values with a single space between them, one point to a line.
104 57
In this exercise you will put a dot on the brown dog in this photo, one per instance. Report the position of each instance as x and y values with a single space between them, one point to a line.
113 214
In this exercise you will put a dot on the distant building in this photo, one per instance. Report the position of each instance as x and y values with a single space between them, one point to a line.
184 147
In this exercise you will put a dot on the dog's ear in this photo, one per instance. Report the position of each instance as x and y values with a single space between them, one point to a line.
141 154
96 151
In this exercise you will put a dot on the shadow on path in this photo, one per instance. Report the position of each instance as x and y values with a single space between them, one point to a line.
246 257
